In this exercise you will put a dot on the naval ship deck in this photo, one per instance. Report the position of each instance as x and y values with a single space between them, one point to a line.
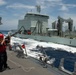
28 66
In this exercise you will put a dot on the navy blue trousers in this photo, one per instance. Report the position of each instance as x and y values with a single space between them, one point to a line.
3 60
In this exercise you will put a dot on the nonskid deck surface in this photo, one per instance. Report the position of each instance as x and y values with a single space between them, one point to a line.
28 66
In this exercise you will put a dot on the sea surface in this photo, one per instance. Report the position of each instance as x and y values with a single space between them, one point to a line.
70 58
5 32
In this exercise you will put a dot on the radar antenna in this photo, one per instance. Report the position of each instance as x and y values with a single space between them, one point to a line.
38 8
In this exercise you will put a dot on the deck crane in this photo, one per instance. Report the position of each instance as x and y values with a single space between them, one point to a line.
60 23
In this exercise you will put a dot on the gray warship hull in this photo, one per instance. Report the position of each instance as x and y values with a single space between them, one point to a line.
54 39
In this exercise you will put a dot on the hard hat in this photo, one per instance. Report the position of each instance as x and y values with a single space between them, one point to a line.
1 36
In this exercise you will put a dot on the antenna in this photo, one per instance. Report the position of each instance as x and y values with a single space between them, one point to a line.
0 20
38 8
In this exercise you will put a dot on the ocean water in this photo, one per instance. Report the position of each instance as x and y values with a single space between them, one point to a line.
5 32
50 49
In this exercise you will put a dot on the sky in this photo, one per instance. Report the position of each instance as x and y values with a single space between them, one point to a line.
13 10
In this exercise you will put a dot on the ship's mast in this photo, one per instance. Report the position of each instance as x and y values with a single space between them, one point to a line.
39 22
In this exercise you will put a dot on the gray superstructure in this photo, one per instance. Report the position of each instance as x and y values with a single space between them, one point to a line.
35 22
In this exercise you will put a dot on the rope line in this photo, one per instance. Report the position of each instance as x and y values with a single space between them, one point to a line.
19 65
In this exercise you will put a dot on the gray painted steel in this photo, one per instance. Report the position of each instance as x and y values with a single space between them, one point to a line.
54 39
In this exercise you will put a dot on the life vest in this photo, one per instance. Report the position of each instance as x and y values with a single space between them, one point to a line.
3 47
